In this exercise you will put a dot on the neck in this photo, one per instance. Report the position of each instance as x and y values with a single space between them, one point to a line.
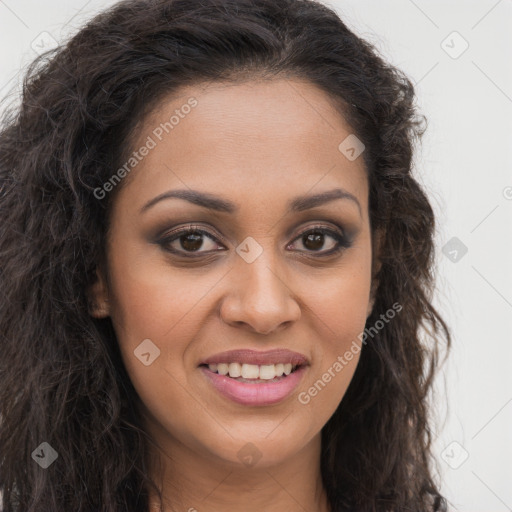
195 482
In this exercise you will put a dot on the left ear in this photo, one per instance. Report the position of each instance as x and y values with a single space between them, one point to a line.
97 295
377 244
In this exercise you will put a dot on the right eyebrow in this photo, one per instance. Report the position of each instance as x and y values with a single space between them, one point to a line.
194 196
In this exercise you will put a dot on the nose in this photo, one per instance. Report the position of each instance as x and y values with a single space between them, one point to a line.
260 297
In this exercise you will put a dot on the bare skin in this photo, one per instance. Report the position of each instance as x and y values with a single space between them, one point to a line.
258 145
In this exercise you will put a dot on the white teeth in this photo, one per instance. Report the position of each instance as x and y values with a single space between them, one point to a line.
252 371
223 368
267 371
235 370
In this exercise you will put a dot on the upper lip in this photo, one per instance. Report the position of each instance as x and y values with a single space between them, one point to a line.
256 357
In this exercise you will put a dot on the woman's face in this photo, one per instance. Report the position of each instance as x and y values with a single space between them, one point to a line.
277 267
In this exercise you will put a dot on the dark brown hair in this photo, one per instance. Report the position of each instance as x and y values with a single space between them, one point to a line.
61 376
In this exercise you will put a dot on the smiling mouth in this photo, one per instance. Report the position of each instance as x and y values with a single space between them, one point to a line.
253 373
256 384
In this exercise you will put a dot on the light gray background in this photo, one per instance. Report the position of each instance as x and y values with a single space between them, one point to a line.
466 165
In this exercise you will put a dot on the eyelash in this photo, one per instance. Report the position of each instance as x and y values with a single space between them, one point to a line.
342 241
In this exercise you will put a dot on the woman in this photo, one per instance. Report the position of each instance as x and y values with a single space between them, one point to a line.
216 269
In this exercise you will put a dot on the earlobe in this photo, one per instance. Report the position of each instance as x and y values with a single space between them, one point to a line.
377 243
373 292
370 306
97 295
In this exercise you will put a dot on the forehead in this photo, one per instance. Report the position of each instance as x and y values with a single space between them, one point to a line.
234 138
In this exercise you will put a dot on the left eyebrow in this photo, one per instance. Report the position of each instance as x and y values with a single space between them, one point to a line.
306 202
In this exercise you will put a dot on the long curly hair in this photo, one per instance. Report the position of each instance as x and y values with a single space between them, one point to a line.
62 380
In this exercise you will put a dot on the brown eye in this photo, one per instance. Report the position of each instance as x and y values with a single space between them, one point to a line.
190 240
313 241
322 241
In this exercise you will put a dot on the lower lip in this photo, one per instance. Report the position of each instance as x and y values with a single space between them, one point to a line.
259 393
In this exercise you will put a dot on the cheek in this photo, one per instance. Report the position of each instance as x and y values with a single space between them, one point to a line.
154 302
151 301
340 298
338 308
